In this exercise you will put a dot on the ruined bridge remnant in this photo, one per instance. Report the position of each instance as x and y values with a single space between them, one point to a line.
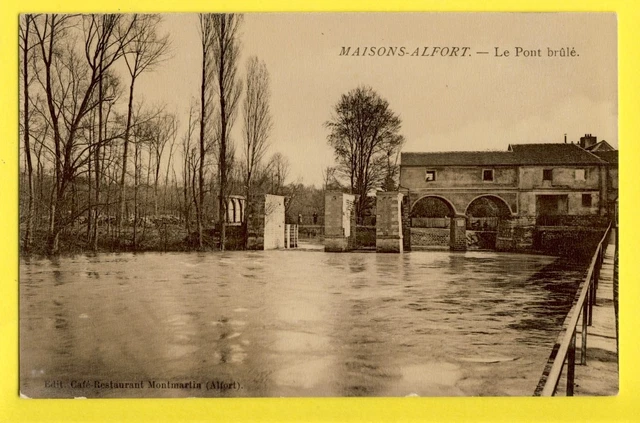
393 223
389 228
265 222
339 221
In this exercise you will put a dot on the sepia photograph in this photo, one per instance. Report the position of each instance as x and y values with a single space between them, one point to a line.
258 205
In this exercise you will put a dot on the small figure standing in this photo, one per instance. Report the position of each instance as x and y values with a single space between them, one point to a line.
299 219
315 218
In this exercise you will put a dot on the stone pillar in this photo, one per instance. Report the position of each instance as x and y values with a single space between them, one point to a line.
339 224
389 222
265 222
406 222
458 233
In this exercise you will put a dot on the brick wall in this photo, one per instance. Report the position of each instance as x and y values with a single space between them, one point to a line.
429 237
577 243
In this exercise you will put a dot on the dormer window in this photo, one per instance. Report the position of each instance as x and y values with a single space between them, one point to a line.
487 175
430 176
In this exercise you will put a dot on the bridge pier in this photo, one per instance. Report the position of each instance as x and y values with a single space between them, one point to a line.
389 228
458 233
339 221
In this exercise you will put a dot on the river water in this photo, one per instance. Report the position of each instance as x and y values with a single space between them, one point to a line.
290 323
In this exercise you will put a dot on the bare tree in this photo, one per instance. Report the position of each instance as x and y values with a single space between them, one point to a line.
163 129
329 178
364 133
143 53
26 59
226 53
187 165
278 171
207 41
257 118
257 125
70 85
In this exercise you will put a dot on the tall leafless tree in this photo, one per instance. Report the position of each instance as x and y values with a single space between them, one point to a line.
70 86
226 53
146 49
257 125
26 58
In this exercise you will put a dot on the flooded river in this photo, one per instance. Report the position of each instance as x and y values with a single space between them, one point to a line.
290 323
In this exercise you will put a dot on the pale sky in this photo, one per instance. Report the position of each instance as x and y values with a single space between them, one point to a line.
477 102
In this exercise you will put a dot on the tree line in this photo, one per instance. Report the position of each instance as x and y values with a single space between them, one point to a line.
98 166
103 170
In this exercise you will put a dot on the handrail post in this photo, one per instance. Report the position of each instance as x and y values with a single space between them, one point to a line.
583 349
592 299
571 365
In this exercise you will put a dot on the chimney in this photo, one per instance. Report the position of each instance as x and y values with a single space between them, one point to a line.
565 138
588 141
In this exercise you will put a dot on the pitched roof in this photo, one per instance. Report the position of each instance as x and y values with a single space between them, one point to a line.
517 154
600 146
458 158
554 154
608 156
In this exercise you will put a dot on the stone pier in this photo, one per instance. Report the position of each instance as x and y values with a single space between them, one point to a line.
389 230
265 222
406 222
339 221
458 233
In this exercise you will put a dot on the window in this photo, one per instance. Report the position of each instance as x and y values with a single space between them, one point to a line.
586 200
430 176
580 174
547 174
487 175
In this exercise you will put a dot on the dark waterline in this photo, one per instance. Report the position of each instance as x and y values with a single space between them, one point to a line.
290 323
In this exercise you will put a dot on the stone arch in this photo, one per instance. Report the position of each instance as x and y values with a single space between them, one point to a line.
452 210
503 209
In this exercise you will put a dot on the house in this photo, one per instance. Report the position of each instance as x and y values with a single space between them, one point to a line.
515 193
524 180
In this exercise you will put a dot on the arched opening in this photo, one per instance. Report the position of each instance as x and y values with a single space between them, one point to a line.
483 217
484 212
431 211
431 218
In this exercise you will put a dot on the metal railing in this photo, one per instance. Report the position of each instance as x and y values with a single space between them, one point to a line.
564 350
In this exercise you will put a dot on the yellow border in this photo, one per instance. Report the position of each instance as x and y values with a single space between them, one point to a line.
620 408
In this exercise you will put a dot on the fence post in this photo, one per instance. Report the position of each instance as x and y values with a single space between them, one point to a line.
572 364
585 317
592 299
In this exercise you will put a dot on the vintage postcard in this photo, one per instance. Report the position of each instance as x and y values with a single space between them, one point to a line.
318 205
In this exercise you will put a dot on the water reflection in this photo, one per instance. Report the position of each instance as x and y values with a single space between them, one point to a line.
288 323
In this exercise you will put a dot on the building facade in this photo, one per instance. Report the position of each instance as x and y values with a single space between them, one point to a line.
525 180
527 186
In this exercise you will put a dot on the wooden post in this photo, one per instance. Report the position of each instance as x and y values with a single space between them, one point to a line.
583 349
572 364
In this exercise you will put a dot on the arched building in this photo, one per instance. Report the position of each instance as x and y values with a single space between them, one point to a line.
538 184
